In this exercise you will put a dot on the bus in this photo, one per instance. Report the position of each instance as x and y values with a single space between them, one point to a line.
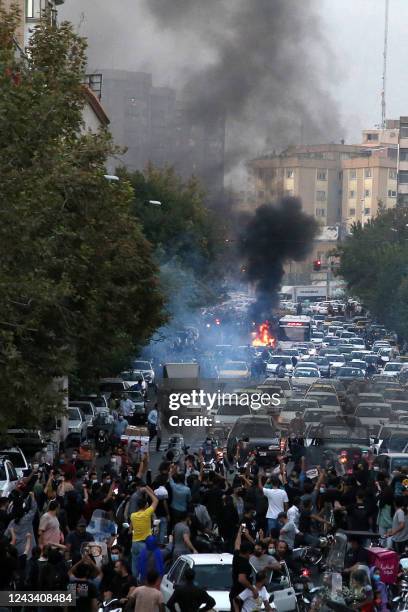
293 329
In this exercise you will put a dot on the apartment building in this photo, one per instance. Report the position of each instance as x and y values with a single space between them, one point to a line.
155 126
314 173
369 181
30 13
402 186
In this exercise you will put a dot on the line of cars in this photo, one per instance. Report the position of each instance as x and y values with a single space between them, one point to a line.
346 368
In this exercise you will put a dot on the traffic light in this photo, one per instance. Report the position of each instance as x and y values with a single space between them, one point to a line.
317 265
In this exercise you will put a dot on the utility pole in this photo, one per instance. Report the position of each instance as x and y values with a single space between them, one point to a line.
384 75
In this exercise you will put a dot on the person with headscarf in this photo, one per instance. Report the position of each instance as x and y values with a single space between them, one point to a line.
150 558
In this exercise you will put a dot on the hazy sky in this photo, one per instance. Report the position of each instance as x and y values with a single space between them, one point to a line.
354 31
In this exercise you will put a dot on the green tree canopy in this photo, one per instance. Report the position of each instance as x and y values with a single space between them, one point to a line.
374 263
188 237
79 290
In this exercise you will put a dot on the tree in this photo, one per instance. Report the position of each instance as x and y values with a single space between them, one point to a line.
79 288
374 263
188 237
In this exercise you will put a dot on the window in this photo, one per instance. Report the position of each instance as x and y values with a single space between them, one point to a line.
392 193
367 211
322 175
367 173
321 196
289 173
403 176
352 193
367 193
404 131
372 136
352 212
392 174
353 175
320 212
175 572
403 154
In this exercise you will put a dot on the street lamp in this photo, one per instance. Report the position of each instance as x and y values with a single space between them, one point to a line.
111 177
153 203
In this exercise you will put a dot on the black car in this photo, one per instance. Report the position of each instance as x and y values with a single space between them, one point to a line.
323 365
266 439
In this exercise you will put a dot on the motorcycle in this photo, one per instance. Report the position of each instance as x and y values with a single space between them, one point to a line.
400 602
206 542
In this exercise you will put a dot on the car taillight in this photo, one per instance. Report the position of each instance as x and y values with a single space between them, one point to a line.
305 572
282 444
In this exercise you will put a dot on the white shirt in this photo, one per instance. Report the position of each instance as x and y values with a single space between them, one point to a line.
153 417
127 407
294 515
276 500
250 603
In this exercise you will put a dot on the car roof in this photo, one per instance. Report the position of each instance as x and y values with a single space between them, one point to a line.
393 455
260 418
209 558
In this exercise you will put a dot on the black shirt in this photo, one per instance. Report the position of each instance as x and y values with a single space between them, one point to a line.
240 565
85 593
190 598
360 555
120 585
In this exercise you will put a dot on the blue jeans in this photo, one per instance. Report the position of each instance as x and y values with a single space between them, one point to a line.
162 529
137 548
272 524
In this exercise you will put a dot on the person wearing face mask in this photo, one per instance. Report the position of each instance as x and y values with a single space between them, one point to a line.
380 590
262 560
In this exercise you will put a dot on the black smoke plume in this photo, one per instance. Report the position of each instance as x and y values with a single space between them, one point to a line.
264 64
276 234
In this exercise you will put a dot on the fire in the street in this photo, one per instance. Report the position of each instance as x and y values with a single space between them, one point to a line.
263 337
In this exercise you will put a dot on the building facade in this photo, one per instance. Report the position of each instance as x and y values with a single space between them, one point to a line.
313 173
153 125
402 186
30 14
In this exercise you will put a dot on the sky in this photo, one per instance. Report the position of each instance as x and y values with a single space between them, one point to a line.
351 56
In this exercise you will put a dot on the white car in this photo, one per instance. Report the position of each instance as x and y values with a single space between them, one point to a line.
17 458
336 361
392 368
8 477
77 425
358 343
146 368
276 360
213 573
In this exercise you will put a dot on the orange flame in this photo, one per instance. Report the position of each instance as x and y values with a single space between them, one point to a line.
263 336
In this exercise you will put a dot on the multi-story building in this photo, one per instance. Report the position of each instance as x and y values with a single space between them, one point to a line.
402 188
155 127
314 173
369 181
30 13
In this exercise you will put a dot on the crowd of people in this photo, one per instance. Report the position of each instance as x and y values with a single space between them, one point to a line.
110 531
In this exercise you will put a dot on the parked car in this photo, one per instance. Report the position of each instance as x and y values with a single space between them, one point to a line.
213 573
266 438
17 458
8 476
77 424
88 410
31 441
146 368
117 386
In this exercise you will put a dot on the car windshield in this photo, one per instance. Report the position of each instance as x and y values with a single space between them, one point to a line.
3 476
396 444
142 365
322 361
233 410
324 399
283 358
292 352
396 394
254 429
306 373
215 577
398 462
74 414
132 376
393 367
352 372
15 457
314 415
373 411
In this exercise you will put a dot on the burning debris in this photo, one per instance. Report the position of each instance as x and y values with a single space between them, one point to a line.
263 336
276 234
